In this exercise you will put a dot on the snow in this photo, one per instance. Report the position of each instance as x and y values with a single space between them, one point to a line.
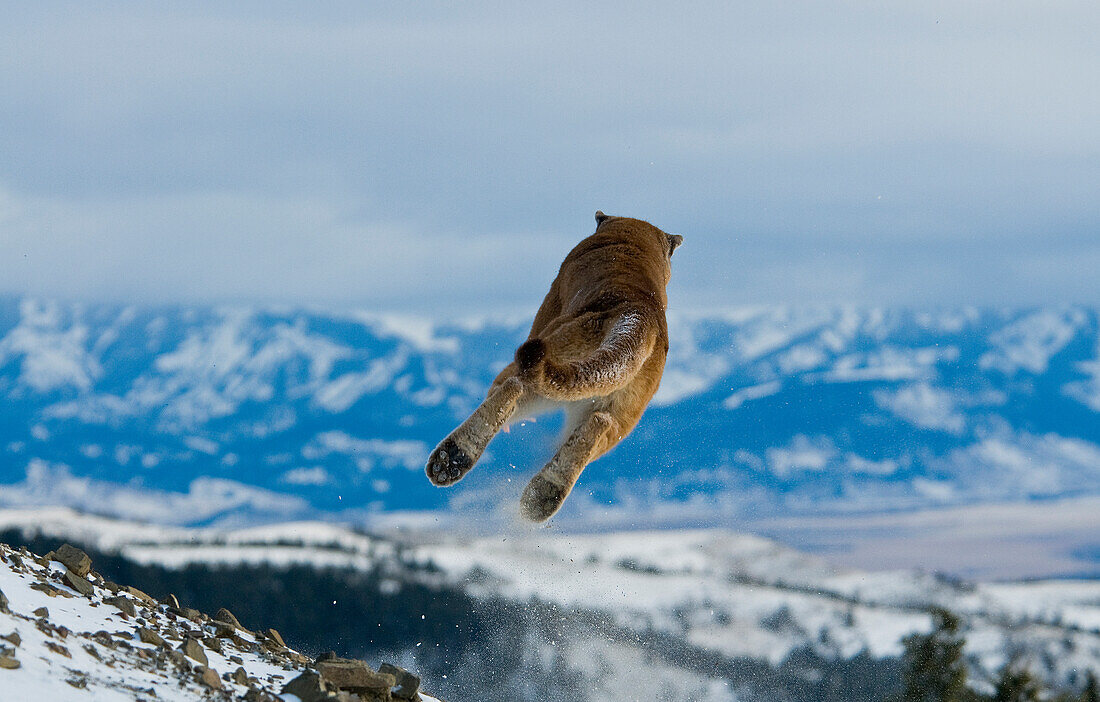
51 356
1087 390
889 363
730 593
344 391
1029 343
924 405
206 498
420 332
398 452
754 392
43 674
104 672
803 453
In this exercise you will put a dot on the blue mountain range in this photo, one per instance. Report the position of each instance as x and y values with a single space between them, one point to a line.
204 414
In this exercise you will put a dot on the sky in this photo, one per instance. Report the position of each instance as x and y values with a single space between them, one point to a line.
444 157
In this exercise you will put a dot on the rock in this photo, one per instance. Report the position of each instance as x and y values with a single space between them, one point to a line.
9 662
298 657
308 687
224 615
78 583
214 644
188 613
80 682
4 603
13 638
407 684
226 631
275 636
194 650
139 594
347 674
240 676
74 559
49 589
124 604
42 613
151 637
179 659
209 677
57 648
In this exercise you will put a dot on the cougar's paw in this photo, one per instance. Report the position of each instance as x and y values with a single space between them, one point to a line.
541 499
448 464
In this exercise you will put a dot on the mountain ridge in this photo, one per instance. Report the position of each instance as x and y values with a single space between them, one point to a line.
205 415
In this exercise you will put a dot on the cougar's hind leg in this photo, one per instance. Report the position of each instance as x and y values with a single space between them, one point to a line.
457 454
546 492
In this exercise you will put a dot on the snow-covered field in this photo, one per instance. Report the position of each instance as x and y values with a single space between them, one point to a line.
711 590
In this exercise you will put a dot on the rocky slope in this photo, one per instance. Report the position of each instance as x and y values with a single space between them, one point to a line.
65 627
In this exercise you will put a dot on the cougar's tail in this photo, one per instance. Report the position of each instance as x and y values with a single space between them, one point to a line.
624 349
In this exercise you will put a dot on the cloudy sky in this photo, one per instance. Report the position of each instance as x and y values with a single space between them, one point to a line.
429 157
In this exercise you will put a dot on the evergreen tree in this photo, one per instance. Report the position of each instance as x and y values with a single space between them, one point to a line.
1016 685
934 666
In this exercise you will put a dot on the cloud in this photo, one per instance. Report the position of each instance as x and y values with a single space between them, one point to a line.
808 149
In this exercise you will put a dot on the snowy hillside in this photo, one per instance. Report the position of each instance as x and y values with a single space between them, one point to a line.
694 605
202 415
71 629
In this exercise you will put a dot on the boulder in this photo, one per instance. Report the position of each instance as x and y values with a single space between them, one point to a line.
407 685
240 676
275 636
194 650
308 687
151 637
74 559
79 583
353 675
124 604
224 615
147 599
209 678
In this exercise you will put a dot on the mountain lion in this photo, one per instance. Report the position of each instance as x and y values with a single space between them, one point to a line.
596 349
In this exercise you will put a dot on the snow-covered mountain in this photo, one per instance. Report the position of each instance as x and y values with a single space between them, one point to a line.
75 634
675 615
203 415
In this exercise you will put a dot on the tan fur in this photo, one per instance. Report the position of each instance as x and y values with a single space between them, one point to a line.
597 349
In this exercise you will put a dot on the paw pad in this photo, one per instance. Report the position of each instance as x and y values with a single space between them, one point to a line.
541 499
448 463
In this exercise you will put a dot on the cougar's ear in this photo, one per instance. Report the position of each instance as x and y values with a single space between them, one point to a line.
601 217
674 240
